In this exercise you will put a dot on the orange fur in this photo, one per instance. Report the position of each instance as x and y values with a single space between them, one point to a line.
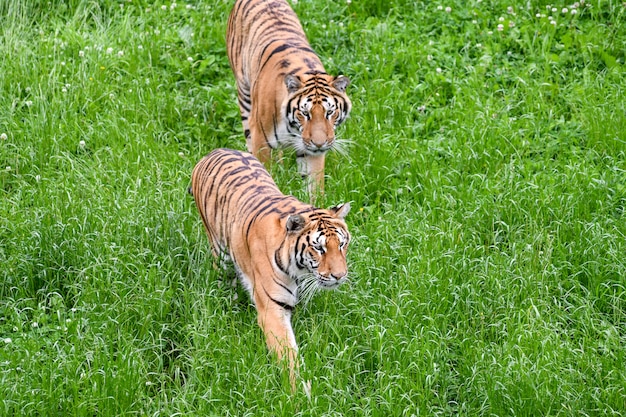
272 239
286 98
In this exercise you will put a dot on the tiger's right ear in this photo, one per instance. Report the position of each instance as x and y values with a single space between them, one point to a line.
340 211
292 82
295 222
341 82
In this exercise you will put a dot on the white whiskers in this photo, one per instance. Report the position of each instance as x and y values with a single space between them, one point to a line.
307 287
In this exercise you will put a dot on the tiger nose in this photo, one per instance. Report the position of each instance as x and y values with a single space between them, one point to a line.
339 274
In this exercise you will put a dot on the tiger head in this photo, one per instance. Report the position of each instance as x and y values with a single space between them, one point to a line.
314 108
319 242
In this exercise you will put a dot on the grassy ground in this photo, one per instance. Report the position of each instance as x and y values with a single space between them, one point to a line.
487 176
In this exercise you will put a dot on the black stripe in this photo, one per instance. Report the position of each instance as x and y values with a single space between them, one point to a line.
280 303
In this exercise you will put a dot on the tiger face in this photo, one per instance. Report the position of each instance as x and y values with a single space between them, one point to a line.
320 245
314 109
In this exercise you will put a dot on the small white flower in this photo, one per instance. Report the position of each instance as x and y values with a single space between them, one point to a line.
64 90
501 19
120 53
554 10
189 7
62 63
81 143
190 59
164 7
564 10
28 103
474 21
574 11
348 1
500 27
429 57
294 1
538 15
173 6
448 9
511 24
440 7
553 22
111 96
7 340
157 32
510 10
34 325
489 32
4 136
439 70
109 51
479 45
181 154
140 47
37 178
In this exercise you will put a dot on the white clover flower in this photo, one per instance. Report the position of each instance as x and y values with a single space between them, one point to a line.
164 7
120 53
140 47
510 10
500 27
64 90
109 51
501 19
564 10
511 24
439 70
574 11
489 32
111 96
28 103
173 6
429 57
189 7
440 7
8 168
474 21
538 15
553 22
181 154
81 143
34 325
479 45
348 1
7 340
190 59
62 63
448 9
4 136
554 10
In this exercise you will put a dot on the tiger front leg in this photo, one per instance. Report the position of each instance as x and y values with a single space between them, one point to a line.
311 167
275 321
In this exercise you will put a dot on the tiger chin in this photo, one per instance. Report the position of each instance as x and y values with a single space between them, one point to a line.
278 245
286 98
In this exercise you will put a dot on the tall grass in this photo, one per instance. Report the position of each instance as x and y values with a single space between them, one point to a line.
487 175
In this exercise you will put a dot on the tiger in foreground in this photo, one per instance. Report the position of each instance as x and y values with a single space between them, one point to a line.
280 246
286 98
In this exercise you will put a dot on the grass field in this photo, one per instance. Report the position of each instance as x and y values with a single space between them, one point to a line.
487 175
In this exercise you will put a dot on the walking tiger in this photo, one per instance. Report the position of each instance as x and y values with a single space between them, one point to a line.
280 246
286 98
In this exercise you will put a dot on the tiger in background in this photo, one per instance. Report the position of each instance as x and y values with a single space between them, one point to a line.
279 246
286 98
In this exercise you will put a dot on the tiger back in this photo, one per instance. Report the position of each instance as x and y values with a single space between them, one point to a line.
274 240
286 98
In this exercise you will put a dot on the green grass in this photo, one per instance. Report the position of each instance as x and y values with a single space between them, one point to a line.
487 175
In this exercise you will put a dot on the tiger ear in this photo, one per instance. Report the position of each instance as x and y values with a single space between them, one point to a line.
340 211
292 82
295 222
341 82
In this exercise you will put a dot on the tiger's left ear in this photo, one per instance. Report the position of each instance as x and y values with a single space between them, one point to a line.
292 82
340 211
340 83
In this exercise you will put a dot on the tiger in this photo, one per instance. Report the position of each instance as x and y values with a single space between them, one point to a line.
278 245
285 96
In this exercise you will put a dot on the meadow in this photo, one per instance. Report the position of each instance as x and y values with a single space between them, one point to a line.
486 172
